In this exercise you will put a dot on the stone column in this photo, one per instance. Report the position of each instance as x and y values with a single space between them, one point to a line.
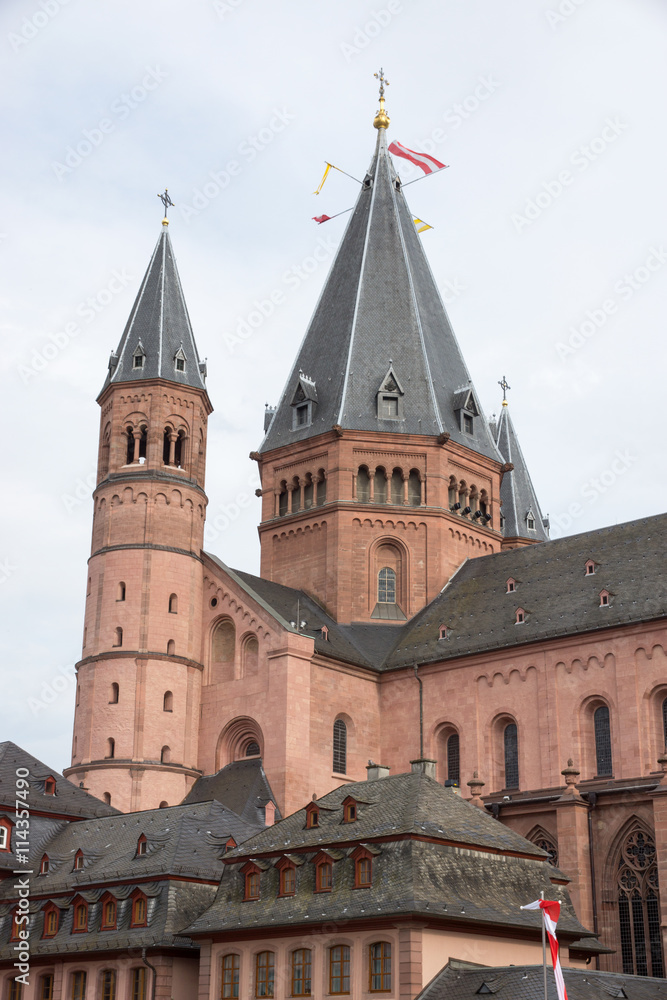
172 447
574 845
371 485
406 480
136 434
409 962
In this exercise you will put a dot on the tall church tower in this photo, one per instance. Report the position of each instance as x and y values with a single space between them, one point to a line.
379 472
139 679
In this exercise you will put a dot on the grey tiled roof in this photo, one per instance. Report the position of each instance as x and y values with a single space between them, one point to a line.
242 786
552 588
159 323
69 799
517 492
465 868
525 982
380 306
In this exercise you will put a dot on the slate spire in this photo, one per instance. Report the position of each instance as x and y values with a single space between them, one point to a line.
380 311
158 341
520 508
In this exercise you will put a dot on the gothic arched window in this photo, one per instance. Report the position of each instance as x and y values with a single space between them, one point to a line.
511 748
340 747
453 758
639 906
602 741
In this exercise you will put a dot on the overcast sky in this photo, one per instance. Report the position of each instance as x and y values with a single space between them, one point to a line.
549 244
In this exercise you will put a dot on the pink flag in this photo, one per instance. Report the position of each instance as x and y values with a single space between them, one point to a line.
550 914
319 219
427 163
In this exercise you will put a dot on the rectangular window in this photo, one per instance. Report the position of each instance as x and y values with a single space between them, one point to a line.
138 984
230 977
4 841
389 407
302 415
364 872
79 986
339 969
51 923
138 361
252 885
324 880
264 974
15 990
380 967
467 423
301 972
109 984
288 882
46 987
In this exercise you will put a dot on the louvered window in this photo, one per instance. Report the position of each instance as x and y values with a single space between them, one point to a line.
340 747
453 758
511 756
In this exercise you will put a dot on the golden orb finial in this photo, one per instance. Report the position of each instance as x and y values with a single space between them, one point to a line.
381 119
165 221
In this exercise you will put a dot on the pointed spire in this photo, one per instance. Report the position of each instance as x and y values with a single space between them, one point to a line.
380 302
522 517
158 341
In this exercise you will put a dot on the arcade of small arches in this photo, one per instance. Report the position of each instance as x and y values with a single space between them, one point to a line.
301 492
175 445
468 501
398 487
229 660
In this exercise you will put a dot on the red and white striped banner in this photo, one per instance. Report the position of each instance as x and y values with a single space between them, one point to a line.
427 163
550 914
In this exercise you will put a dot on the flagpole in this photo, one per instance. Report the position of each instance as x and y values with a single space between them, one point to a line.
423 177
544 951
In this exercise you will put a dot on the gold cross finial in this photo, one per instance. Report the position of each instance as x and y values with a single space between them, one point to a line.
382 118
504 385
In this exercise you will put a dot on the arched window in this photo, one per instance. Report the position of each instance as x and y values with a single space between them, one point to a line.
602 741
173 604
111 747
114 693
453 759
542 839
664 721
387 586
15 990
80 919
230 977
282 499
179 450
321 487
397 487
287 880
252 749
363 485
108 913
121 591
163 805
129 457
296 495
165 755
108 984
171 648
138 984
264 974
79 985
139 909
119 637
107 798
301 972
168 702
380 485
339 969
44 865
223 646
51 920
308 491
166 445
46 986
639 906
250 655
379 967
511 747
324 877
340 747
414 489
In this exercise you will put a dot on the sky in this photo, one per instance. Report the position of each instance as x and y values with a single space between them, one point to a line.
549 244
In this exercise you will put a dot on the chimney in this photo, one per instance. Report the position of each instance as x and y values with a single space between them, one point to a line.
375 771
423 765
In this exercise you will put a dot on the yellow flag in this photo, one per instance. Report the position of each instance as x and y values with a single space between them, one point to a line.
329 166
420 224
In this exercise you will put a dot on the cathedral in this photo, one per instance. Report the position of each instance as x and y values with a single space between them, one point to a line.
412 628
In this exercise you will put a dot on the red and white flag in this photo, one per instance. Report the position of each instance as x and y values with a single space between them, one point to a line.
427 163
319 219
550 914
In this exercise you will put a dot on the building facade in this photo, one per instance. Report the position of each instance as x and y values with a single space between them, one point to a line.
410 603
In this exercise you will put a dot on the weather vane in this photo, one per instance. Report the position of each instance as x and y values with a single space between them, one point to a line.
166 201
381 77
504 386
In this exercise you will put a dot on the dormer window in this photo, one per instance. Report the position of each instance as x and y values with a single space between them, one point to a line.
108 913
511 586
530 520
520 616
444 632
363 867
139 909
138 357
605 598
44 865
303 402
390 398
142 846
312 817
80 918
50 786
349 811
5 834
465 406
179 360
468 427
51 920
590 568
287 877
324 877
251 874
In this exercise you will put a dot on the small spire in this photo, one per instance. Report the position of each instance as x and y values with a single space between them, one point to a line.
504 385
166 201
381 119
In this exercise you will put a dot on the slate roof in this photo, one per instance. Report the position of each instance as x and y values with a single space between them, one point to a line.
380 308
517 492
243 788
478 883
69 799
159 325
525 982
559 599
